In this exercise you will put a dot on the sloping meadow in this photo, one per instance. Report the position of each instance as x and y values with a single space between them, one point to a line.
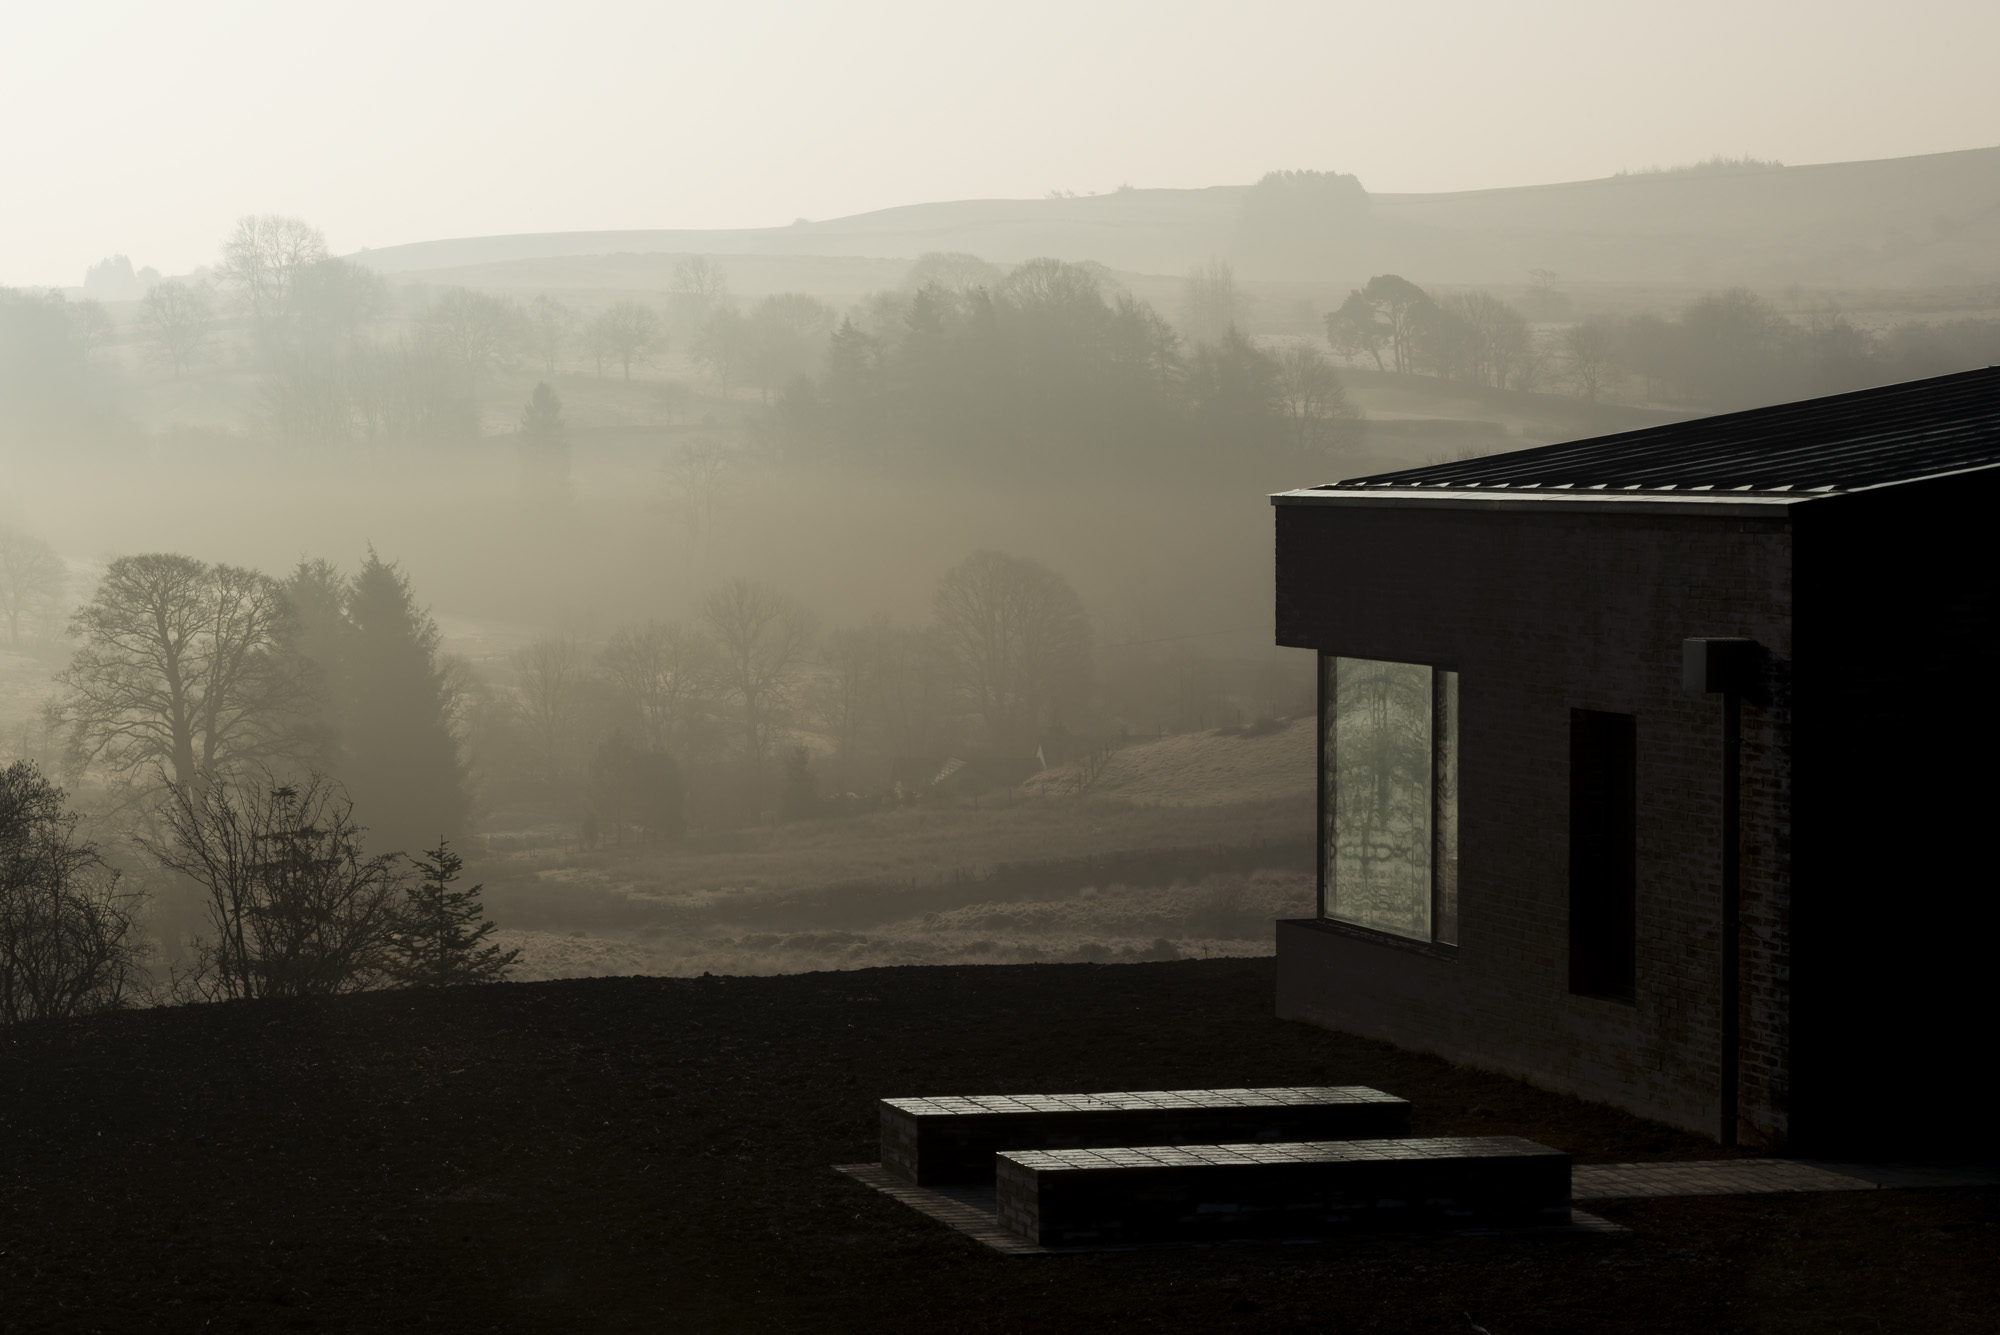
1192 848
1218 916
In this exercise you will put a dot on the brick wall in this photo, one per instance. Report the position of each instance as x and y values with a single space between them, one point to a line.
1541 614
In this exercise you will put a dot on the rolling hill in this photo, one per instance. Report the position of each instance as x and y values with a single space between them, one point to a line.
1931 220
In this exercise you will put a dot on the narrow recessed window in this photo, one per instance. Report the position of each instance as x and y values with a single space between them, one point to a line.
1603 854
1389 762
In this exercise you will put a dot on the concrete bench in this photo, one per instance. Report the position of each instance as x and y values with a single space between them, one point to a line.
952 1141
1219 1193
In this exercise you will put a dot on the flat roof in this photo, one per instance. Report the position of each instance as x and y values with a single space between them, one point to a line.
1758 462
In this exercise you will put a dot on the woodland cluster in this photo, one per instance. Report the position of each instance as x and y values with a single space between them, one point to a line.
1729 349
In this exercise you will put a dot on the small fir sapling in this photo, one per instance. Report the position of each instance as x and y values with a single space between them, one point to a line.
442 939
801 792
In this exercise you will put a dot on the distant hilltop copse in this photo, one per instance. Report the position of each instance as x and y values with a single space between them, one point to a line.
1888 222
1715 166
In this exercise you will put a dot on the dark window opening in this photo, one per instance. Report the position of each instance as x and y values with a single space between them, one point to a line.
1603 854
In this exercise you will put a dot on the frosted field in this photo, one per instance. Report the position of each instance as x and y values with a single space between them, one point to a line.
1215 917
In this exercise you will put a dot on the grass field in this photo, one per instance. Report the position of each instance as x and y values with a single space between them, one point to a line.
654 1155
1184 847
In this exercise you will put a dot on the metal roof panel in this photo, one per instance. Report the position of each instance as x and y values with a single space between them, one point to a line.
1816 447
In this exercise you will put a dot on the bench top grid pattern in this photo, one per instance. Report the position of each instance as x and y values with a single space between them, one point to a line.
1158 1100
1298 1152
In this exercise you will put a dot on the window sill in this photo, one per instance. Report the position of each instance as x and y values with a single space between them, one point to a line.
1436 950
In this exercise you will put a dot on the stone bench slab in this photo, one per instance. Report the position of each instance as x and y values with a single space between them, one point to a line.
952 1140
1219 1193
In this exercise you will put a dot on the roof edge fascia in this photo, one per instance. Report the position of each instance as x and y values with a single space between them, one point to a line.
1733 505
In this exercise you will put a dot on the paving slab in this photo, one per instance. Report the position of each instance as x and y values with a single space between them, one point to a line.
1706 1177
1219 1193
1746 1177
973 1211
951 1140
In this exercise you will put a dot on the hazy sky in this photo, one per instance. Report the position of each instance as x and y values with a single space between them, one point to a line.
147 127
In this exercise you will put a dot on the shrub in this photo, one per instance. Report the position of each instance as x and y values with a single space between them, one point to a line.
66 939
296 906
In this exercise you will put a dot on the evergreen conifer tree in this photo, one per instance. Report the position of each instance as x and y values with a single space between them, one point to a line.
401 762
318 593
545 446
442 939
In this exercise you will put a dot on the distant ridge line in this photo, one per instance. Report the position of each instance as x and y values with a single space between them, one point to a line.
1931 218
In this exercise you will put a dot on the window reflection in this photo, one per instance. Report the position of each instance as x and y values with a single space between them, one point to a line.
1391 749
1444 831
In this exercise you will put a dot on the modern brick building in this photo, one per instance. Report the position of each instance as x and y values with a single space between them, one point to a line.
1530 664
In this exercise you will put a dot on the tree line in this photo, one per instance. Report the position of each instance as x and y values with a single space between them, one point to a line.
1726 350
239 718
1735 349
53 386
294 905
253 722
1047 363
187 676
317 332
33 582
706 716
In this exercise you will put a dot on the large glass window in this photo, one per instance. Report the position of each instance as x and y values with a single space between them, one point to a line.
1390 758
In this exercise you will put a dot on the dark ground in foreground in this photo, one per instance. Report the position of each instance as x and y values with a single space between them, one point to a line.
652 1154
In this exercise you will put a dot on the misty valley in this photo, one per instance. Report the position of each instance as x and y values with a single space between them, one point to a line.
910 613
977 765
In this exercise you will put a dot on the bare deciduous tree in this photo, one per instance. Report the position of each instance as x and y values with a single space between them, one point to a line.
476 329
697 477
1317 411
881 691
1588 350
1209 301
626 333
67 945
175 320
32 577
762 637
552 673
669 397
723 345
665 677
953 270
913 688
332 303
296 906
185 668
263 256
549 326
95 329
698 288
413 388
849 667
1474 336
788 333
1018 636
